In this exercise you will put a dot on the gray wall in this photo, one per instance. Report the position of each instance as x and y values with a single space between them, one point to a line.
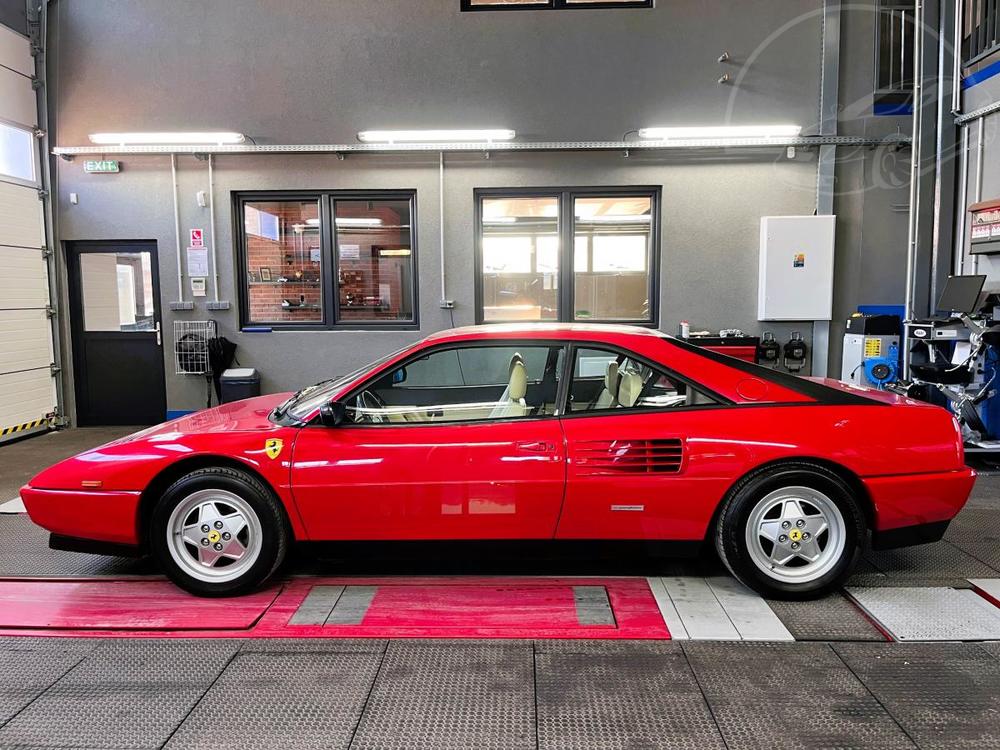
975 98
308 71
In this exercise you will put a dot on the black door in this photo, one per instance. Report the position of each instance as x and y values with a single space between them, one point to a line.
117 347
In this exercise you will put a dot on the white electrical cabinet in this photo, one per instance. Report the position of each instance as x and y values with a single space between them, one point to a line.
796 268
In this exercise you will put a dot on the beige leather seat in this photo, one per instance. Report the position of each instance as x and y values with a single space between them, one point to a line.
608 398
511 403
629 389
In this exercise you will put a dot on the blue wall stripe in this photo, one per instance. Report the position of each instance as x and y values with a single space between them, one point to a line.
886 109
175 413
981 75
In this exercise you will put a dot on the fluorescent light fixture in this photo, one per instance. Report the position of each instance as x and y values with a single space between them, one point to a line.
159 139
724 132
359 222
395 252
435 136
501 220
312 222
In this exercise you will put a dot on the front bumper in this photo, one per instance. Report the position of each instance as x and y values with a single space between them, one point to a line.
102 516
923 504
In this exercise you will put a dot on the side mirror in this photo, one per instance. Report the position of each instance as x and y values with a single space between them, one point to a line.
332 414
399 376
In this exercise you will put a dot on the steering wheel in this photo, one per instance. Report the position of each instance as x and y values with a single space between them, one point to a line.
371 402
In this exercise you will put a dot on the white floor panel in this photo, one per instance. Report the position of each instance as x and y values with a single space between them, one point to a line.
13 506
715 609
754 620
930 614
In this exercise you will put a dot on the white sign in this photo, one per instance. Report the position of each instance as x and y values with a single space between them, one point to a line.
198 287
197 238
350 252
197 261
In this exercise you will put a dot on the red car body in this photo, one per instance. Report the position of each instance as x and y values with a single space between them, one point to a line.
576 476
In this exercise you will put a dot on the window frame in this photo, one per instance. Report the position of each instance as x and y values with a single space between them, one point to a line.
467 6
329 255
36 165
566 230
563 400
493 343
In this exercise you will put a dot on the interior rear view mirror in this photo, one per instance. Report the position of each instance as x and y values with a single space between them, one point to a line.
332 414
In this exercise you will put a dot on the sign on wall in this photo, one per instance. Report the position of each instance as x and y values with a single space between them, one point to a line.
102 166
985 233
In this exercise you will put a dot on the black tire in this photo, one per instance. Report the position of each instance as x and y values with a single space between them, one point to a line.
730 529
275 531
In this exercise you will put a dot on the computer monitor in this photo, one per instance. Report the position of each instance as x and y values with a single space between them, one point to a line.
961 294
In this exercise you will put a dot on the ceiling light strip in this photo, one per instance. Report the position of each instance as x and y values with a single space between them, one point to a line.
379 148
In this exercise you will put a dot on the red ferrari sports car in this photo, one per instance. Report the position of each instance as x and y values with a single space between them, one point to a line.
525 432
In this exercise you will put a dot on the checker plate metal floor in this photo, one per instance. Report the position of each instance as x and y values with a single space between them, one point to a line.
945 694
483 694
833 618
771 695
930 614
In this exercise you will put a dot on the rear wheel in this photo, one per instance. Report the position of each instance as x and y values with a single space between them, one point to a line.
792 531
218 532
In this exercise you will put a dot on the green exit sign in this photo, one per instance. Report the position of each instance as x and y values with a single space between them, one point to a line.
107 166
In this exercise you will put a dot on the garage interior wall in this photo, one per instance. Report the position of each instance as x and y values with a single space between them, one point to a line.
27 389
576 75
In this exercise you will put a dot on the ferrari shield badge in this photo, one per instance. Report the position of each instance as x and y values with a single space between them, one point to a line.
272 447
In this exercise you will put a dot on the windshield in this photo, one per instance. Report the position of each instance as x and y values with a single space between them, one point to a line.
309 399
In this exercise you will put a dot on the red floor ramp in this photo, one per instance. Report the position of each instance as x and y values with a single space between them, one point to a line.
123 606
606 608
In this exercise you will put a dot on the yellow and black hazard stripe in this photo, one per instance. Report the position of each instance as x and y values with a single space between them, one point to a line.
26 426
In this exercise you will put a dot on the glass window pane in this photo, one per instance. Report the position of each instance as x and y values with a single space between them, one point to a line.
604 380
375 260
515 3
520 244
616 233
17 148
462 385
117 290
284 261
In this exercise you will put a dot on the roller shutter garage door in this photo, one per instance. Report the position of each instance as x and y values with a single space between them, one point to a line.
27 388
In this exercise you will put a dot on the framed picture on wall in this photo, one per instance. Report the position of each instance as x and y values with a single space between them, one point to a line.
265 273
251 277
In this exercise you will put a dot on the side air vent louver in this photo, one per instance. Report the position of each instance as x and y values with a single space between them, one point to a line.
597 457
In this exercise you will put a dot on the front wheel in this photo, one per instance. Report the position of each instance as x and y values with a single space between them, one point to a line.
218 532
791 532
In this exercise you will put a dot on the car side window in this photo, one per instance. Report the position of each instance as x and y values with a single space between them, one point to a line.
464 384
605 380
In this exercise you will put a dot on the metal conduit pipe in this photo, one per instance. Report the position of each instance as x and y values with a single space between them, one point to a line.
177 230
211 221
980 153
915 159
963 197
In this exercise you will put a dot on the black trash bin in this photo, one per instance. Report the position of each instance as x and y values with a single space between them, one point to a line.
239 383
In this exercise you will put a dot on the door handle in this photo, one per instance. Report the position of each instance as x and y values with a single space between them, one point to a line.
535 446
159 341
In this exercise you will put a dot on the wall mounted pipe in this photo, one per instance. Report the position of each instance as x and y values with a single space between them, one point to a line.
980 154
956 94
444 286
177 230
211 221
915 159
961 216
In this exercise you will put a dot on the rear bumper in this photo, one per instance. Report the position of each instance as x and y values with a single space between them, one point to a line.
915 500
106 516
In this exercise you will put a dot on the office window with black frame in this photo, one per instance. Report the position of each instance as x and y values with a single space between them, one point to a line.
567 255
328 260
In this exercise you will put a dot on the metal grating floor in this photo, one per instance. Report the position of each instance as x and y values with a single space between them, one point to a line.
930 614
282 701
592 701
770 695
833 618
946 695
124 694
451 695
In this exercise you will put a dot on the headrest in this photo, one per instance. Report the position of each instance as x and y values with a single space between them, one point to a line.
629 389
518 381
513 361
611 378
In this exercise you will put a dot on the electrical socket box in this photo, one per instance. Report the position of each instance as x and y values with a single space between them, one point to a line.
796 268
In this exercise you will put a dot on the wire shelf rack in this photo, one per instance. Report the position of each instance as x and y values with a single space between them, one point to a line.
191 339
